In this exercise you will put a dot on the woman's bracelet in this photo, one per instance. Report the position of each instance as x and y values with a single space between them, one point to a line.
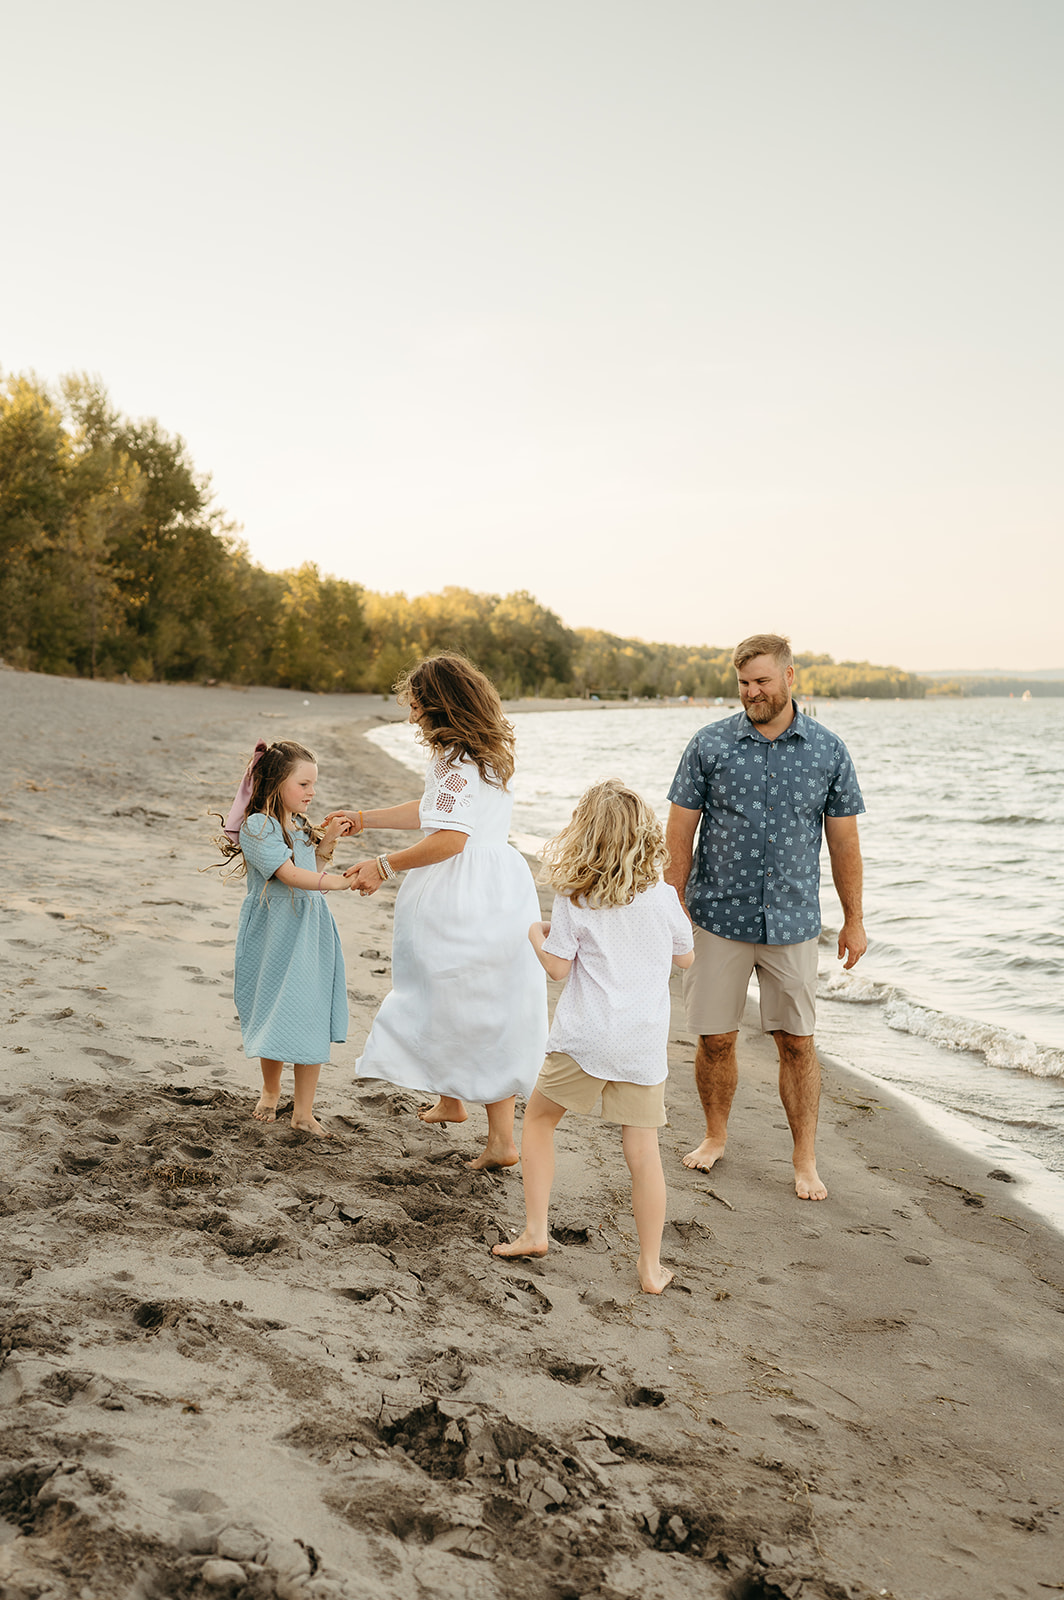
361 824
385 869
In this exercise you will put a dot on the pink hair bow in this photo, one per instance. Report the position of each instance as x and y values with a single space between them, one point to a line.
239 808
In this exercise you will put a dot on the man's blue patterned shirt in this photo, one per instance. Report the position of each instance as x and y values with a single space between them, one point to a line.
756 874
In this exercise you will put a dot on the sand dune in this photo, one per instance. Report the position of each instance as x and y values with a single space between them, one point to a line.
237 1361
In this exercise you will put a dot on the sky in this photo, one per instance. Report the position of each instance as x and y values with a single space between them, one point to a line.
690 318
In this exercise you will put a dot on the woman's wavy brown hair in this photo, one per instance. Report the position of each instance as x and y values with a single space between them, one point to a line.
611 851
460 714
276 765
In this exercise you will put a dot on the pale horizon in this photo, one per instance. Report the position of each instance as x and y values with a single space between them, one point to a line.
692 322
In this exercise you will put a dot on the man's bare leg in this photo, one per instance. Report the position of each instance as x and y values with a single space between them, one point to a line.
446 1109
716 1077
542 1116
266 1110
500 1150
800 1093
303 1116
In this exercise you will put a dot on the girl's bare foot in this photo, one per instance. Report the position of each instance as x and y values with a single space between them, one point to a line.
526 1245
310 1125
494 1157
653 1279
266 1110
446 1109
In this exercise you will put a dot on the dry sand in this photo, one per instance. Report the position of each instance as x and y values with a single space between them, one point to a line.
238 1361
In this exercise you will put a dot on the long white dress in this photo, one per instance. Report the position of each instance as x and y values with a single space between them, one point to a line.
467 1014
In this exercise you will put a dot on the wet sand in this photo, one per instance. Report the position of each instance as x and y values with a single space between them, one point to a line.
235 1360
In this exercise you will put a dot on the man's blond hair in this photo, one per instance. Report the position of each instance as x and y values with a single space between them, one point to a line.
764 644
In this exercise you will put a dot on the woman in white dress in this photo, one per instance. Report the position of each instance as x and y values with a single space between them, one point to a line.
467 1015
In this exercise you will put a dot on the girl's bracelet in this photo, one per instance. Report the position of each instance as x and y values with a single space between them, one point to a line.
324 871
361 824
385 869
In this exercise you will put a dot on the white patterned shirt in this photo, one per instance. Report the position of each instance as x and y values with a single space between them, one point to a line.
613 1016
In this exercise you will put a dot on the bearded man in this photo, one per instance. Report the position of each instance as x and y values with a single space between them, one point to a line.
758 788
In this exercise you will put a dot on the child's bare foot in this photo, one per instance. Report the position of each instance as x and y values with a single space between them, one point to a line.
310 1125
266 1110
526 1245
446 1109
493 1157
654 1278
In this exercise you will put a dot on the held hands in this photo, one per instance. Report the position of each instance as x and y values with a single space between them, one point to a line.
347 819
336 825
852 943
365 876
538 933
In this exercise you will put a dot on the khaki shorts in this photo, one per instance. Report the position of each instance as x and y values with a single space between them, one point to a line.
714 987
634 1105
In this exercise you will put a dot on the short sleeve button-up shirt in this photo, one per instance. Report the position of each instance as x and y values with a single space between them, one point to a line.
756 874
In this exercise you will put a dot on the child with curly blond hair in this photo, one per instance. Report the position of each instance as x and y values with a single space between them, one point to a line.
615 932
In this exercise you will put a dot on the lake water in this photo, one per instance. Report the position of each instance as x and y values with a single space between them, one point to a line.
958 1000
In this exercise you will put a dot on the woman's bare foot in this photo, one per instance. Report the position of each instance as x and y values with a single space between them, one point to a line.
493 1157
310 1125
446 1109
526 1245
266 1110
653 1279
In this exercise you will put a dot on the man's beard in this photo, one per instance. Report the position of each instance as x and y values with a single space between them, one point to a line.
768 707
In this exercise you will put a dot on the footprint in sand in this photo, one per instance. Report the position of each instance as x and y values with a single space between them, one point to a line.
571 1372
194 1152
638 1395
105 1055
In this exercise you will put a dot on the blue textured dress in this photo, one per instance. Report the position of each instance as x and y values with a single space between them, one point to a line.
289 982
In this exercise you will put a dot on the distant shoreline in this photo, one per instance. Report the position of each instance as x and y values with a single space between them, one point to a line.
370 703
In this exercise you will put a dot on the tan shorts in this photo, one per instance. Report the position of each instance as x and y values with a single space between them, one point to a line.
714 988
634 1105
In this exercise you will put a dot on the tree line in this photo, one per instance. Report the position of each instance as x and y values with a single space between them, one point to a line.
114 561
1007 688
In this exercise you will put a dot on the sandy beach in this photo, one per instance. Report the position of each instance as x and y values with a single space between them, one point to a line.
238 1360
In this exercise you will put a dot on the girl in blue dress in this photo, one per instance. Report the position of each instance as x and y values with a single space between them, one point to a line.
289 982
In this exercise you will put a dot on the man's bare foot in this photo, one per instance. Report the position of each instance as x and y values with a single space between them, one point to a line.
266 1110
493 1157
704 1157
310 1125
526 1245
446 1109
807 1184
654 1278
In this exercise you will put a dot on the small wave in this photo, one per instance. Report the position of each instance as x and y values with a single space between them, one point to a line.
1000 1047
1015 822
939 819
855 991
